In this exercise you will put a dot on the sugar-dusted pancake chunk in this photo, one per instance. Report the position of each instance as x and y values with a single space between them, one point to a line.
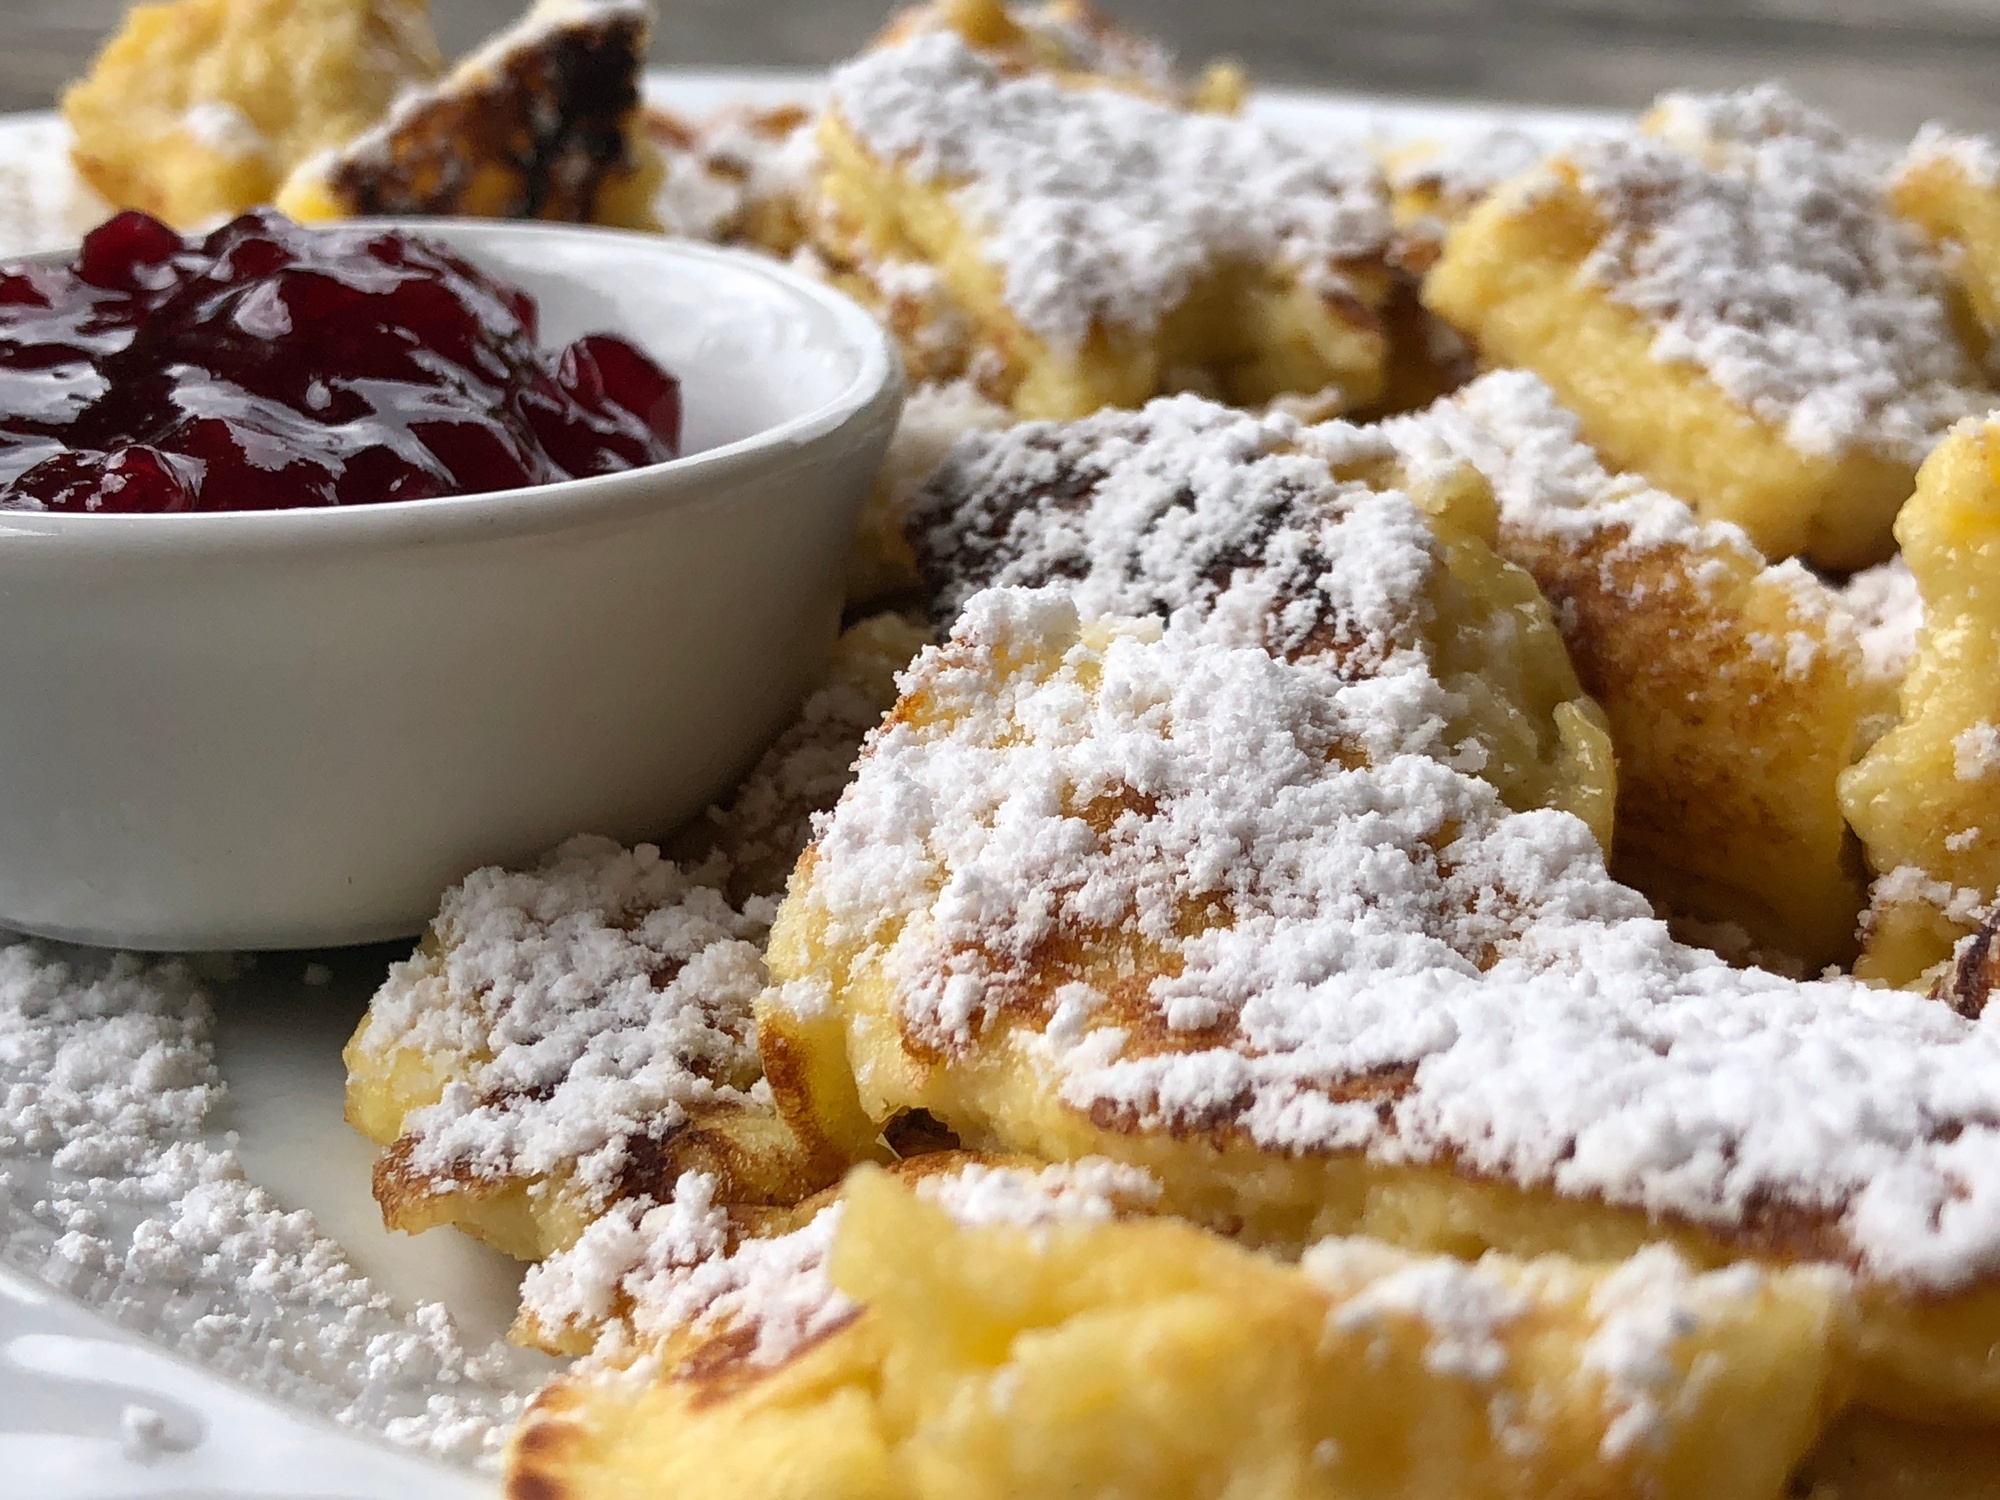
1190 510
540 122
1737 692
651 1273
570 1035
973 1343
580 1032
1107 246
741 176
196 110
1104 886
1434 184
1926 797
1734 312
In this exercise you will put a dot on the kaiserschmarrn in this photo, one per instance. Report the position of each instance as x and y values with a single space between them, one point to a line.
1737 693
1926 797
1407 903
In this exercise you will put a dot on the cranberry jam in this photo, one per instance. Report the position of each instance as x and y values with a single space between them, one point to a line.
270 366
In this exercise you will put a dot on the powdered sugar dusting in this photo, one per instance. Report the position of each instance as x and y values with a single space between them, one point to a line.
1644 1309
1753 236
595 998
112 1192
1975 751
1466 1307
646 1271
1370 913
1459 173
1185 508
1977 156
751 845
717 174
1549 482
979 1195
1558 502
1888 614
1910 885
1099 208
1106 50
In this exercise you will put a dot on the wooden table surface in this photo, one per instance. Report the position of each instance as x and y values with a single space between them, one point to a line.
1883 65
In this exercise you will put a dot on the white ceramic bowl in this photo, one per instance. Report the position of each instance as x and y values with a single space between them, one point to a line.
295 728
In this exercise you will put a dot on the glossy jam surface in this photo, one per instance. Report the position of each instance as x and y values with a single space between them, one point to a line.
270 366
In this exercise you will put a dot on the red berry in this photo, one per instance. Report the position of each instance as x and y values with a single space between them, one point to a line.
125 251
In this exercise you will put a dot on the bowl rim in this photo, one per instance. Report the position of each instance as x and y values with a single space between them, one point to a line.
877 383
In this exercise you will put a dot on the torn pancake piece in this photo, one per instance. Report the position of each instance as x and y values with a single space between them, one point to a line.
196 110
540 122
1737 692
579 1033
1191 511
1926 798
741 176
650 1274
974 1343
568 1036
1103 887
1108 247
1948 184
1730 306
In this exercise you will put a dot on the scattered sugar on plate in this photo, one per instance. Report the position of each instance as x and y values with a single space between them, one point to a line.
112 1189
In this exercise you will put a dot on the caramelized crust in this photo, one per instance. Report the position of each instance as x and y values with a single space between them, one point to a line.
539 123
1736 692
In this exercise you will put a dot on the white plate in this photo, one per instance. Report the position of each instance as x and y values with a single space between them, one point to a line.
89 1411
